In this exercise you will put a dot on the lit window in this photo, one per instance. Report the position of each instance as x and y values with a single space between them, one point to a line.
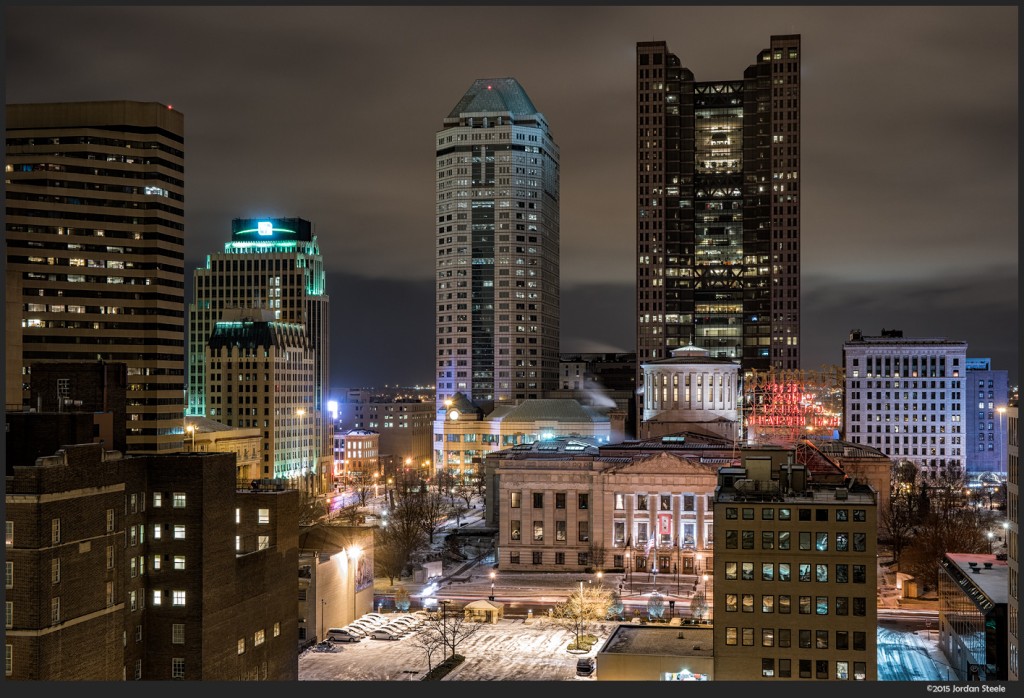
241 645
258 638
156 531
158 499
179 531
10 533
157 597
179 562
264 542
178 598
178 500
277 629
264 516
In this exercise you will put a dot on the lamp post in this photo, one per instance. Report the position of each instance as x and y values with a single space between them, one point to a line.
354 552
492 585
191 429
323 604
990 536
629 574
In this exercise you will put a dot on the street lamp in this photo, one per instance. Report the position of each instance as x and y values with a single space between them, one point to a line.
990 536
629 573
323 603
492 585
191 429
354 552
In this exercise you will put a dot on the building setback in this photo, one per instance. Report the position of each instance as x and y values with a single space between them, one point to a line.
795 574
95 231
718 208
907 397
497 261
148 567
270 265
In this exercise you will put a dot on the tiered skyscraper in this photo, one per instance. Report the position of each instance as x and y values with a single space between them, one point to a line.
95 250
718 208
266 286
497 223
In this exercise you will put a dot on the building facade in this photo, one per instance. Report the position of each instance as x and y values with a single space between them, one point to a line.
205 435
335 578
972 615
497 251
718 208
795 574
95 226
259 374
907 397
356 455
988 392
1013 543
148 567
405 425
468 435
640 507
99 387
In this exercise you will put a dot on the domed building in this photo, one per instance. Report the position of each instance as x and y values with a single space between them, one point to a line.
690 391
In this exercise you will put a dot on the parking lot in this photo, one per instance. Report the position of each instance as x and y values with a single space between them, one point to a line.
509 650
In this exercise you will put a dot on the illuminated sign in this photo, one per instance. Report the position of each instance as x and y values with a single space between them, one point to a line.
265 228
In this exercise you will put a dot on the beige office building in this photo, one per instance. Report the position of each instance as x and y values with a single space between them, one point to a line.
95 231
641 507
795 574
258 375
206 435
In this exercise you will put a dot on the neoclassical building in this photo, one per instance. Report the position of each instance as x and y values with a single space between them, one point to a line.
566 504
690 391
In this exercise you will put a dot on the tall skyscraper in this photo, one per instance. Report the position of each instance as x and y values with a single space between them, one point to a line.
497 218
718 208
95 233
273 265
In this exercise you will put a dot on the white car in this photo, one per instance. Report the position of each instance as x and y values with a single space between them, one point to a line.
386 634
342 635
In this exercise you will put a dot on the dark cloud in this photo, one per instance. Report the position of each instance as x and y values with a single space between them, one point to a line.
909 151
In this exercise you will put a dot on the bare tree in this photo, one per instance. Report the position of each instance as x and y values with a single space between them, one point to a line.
948 526
311 509
898 518
699 605
396 541
585 605
449 628
431 508
430 642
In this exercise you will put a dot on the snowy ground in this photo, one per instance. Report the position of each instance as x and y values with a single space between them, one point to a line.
510 650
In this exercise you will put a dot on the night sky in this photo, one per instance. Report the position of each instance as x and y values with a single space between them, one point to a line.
909 149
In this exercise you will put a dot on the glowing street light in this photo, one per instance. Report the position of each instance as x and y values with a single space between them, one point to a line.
191 429
492 585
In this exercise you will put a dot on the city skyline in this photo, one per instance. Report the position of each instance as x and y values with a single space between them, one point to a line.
924 100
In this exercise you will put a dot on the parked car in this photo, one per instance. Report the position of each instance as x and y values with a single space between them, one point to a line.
365 624
405 621
378 618
358 631
586 666
342 635
386 634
